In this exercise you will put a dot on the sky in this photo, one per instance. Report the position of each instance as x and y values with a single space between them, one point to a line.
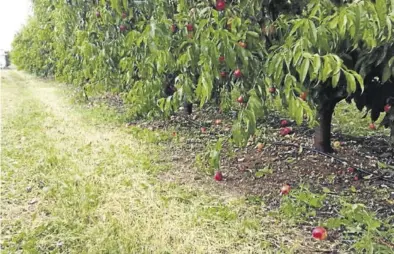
13 15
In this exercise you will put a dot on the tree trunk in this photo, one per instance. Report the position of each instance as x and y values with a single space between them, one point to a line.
323 131
188 107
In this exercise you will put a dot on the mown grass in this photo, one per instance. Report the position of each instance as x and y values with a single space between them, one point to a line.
73 185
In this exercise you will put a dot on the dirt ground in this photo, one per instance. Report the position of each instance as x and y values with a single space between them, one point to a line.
283 160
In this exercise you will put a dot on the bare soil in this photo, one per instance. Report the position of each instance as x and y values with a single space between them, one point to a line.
289 160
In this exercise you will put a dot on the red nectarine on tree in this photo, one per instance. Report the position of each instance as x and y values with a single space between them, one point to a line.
220 5
237 73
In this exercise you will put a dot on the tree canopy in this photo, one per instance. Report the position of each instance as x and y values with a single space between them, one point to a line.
302 55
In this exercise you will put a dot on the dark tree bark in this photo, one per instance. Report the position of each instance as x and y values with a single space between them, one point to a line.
169 90
322 141
188 107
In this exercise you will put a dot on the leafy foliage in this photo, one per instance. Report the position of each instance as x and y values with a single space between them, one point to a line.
209 161
365 232
325 49
365 227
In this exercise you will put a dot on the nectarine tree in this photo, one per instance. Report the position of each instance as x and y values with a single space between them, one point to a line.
307 54
335 52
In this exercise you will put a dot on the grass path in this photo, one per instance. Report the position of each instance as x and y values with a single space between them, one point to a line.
72 185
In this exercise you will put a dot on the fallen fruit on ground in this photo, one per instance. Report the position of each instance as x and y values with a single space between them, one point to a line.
387 108
218 121
260 146
203 129
122 28
284 123
337 144
285 189
223 74
372 126
132 73
218 176
285 131
319 233
240 99
221 59
350 169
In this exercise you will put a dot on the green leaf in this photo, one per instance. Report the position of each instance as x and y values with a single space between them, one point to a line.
300 150
386 73
357 24
288 80
334 222
389 28
304 69
297 52
335 79
244 56
250 120
391 61
327 70
307 55
382 56
263 172
360 80
230 57
343 23
353 189
271 65
312 30
215 159
351 82
240 136
253 34
299 112
298 23
125 4
381 10
255 104
288 55
316 63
